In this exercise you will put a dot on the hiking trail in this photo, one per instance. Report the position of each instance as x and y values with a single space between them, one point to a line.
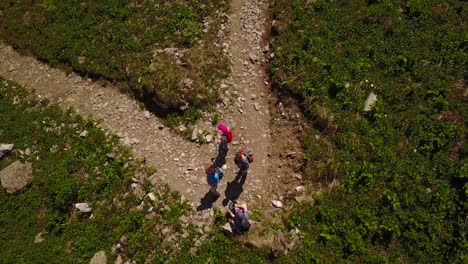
253 117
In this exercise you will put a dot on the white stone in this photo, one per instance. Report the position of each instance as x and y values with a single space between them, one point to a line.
83 207
300 189
152 196
147 114
277 204
5 148
371 99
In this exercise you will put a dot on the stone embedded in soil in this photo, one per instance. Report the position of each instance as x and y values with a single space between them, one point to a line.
99 258
277 204
256 106
16 176
83 207
300 189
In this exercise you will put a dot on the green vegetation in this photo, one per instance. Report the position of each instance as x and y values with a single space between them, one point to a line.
402 167
159 50
69 168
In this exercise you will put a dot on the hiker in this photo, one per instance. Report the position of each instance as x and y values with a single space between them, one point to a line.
243 159
214 175
226 137
239 217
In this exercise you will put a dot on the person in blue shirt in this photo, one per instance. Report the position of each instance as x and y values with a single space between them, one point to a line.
214 176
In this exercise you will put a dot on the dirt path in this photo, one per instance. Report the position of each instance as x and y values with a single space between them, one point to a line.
181 163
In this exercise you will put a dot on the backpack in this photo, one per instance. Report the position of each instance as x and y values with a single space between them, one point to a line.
247 152
210 170
229 137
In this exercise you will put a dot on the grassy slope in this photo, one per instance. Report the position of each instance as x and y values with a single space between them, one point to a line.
402 166
68 168
117 40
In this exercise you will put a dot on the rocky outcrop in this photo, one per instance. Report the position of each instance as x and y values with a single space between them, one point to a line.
279 246
16 176
99 258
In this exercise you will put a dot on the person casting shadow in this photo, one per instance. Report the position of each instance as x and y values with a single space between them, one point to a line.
207 201
234 188
223 149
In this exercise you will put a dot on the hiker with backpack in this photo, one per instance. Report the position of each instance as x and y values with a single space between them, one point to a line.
243 159
239 217
214 175
226 137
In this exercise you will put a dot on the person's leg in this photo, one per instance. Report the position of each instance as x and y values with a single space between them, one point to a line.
213 189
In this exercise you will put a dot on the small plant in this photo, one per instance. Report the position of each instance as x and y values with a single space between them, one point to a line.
215 118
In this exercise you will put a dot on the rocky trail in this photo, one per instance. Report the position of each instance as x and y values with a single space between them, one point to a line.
249 108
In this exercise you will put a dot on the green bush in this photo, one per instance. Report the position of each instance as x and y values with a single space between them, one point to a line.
125 43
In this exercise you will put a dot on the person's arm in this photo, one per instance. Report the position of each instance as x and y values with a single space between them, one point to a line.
242 206
231 213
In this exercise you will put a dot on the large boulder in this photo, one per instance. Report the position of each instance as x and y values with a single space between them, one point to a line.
99 258
16 176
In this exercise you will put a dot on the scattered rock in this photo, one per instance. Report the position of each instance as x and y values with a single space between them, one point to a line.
253 58
279 246
295 242
152 196
12 68
277 204
298 177
139 193
119 260
83 207
81 59
16 176
84 133
123 239
111 155
194 134
54 149
256 106
371 99
99 258
147 114
300 189
208 138
40 237
227 229
5 149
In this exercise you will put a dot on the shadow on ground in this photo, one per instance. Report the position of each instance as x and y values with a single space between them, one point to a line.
234 188
207 201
